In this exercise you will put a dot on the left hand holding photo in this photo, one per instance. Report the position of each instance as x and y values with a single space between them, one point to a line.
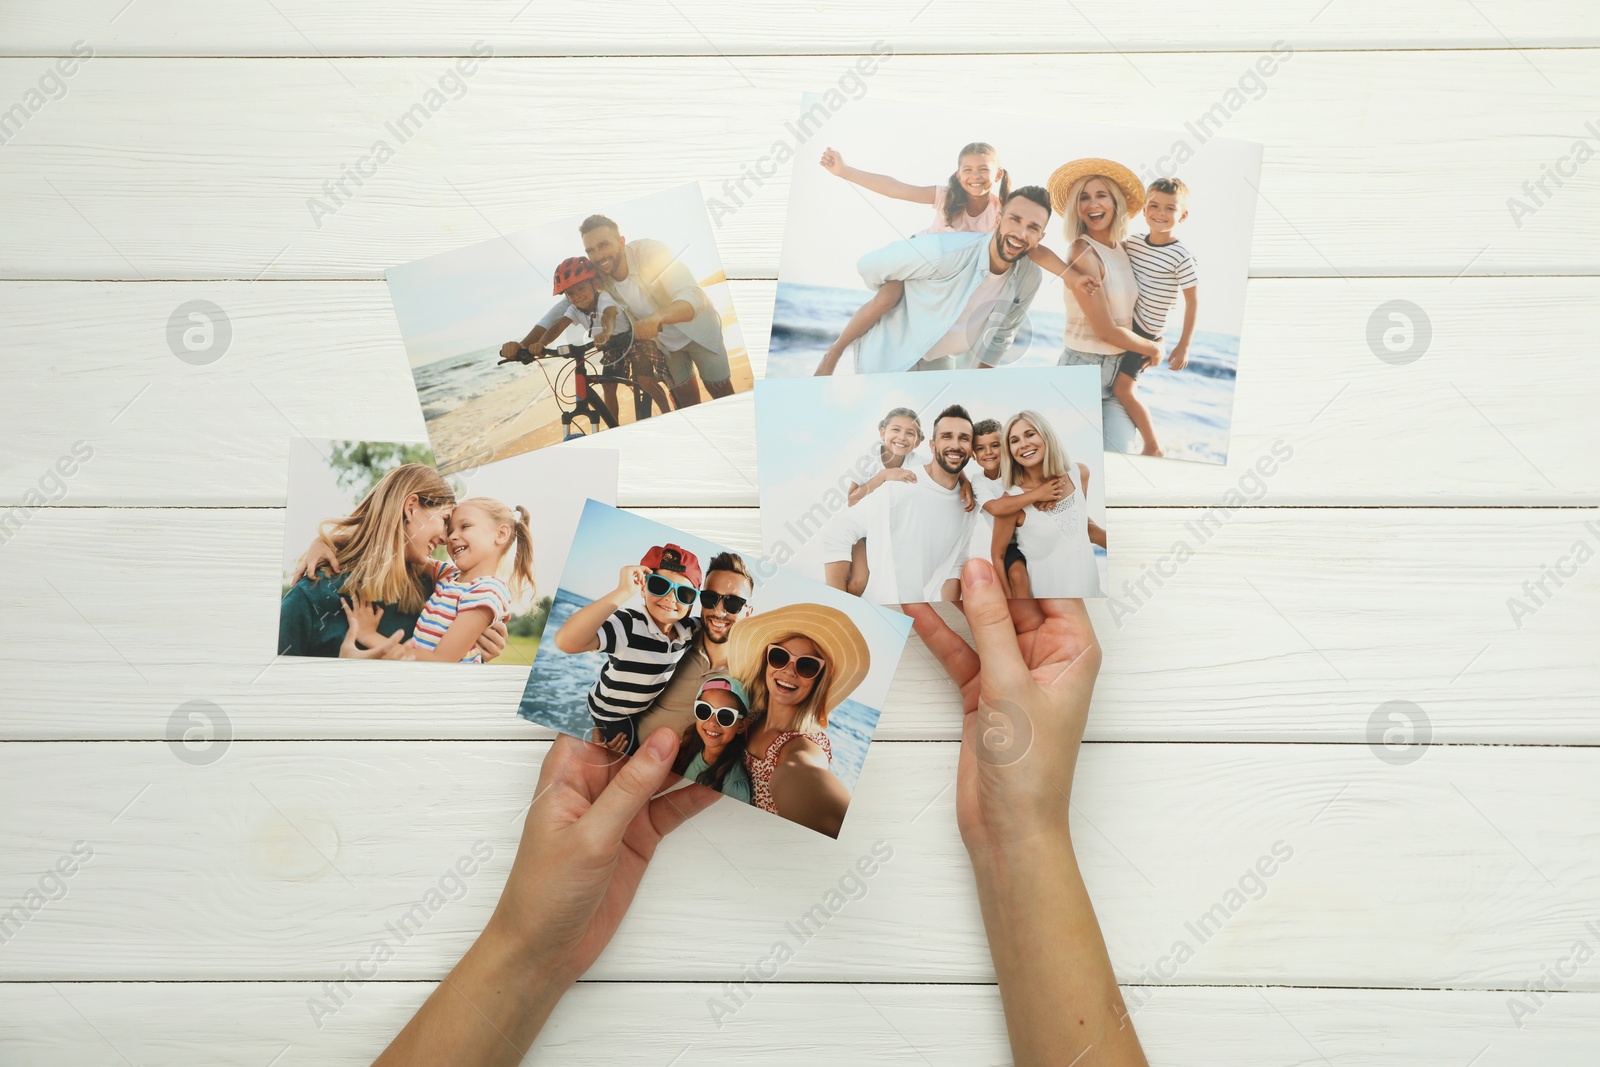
591 830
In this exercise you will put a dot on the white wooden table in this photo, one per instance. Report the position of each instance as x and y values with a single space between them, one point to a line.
1244 704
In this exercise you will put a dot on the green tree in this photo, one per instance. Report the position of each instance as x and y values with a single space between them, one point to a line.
532 623
357 465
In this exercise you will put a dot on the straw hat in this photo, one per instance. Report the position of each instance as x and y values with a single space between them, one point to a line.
828 628
1065 175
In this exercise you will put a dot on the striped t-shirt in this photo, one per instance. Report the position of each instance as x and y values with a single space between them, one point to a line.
1161 271
640 663
451 596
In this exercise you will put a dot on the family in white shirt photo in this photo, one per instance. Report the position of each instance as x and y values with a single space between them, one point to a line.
922 509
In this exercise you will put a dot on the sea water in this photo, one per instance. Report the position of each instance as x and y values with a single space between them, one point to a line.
1192 409
559 683
448 383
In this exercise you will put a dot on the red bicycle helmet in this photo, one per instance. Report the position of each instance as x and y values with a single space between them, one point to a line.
572 271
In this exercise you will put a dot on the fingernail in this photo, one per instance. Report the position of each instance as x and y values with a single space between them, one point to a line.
978 574
660 744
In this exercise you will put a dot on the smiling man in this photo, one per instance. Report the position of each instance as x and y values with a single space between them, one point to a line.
666 304
918 532
724 600
966 294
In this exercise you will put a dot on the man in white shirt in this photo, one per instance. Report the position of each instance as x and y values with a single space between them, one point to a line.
966 294
918 533
666 304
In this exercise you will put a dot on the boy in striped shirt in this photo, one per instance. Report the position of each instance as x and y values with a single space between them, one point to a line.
643 647
1162 266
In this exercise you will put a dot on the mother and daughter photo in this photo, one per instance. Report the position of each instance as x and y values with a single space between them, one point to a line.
419 566
965 290
774 707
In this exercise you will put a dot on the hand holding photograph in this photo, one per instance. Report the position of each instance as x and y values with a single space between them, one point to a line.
773 689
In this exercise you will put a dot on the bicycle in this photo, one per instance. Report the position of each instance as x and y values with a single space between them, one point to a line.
586 401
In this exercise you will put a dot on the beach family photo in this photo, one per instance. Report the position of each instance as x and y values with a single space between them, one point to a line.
883 485
384 557
1019 240
772 682
570 328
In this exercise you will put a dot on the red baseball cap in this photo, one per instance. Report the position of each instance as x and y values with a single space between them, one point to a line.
671 557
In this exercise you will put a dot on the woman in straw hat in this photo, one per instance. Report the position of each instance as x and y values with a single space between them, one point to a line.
797 663
1095 198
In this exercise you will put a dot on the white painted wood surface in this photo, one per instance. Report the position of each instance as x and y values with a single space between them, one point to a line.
232 1024
1499 410
1287 624
1238 707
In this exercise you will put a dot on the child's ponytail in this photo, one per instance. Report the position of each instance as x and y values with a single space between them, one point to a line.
522 563
955 194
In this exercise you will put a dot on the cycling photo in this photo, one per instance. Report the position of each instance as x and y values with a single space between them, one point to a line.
570 329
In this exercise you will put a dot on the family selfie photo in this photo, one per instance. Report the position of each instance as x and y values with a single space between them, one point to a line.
1023 241
570 329
773 684
885 485
386 558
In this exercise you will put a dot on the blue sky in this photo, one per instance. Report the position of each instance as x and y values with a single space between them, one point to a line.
609 539
484 294
809 431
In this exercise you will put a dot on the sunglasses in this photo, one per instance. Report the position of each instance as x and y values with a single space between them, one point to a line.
730 603
778 658
726 717
656 585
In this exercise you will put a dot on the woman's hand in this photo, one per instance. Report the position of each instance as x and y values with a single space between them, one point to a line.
492 642
594 823
593 826
833 162
1025 692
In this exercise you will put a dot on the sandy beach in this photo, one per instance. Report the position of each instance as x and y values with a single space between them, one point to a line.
522 415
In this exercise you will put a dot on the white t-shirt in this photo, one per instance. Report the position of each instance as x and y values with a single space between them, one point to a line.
639 304
872 460
590 321
984 489
968 329
917 537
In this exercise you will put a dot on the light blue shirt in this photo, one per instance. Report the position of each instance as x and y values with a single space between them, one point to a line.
940 271
735 785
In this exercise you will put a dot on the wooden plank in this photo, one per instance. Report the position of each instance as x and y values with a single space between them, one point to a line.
1286 624
699 27
1458 426
784 1024
292 860
232 198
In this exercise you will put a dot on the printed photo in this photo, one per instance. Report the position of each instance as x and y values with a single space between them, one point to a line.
922 238
884 485
384 557
773 683
569 329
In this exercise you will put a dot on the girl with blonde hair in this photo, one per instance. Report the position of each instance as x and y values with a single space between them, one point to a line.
1045 506
468 594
